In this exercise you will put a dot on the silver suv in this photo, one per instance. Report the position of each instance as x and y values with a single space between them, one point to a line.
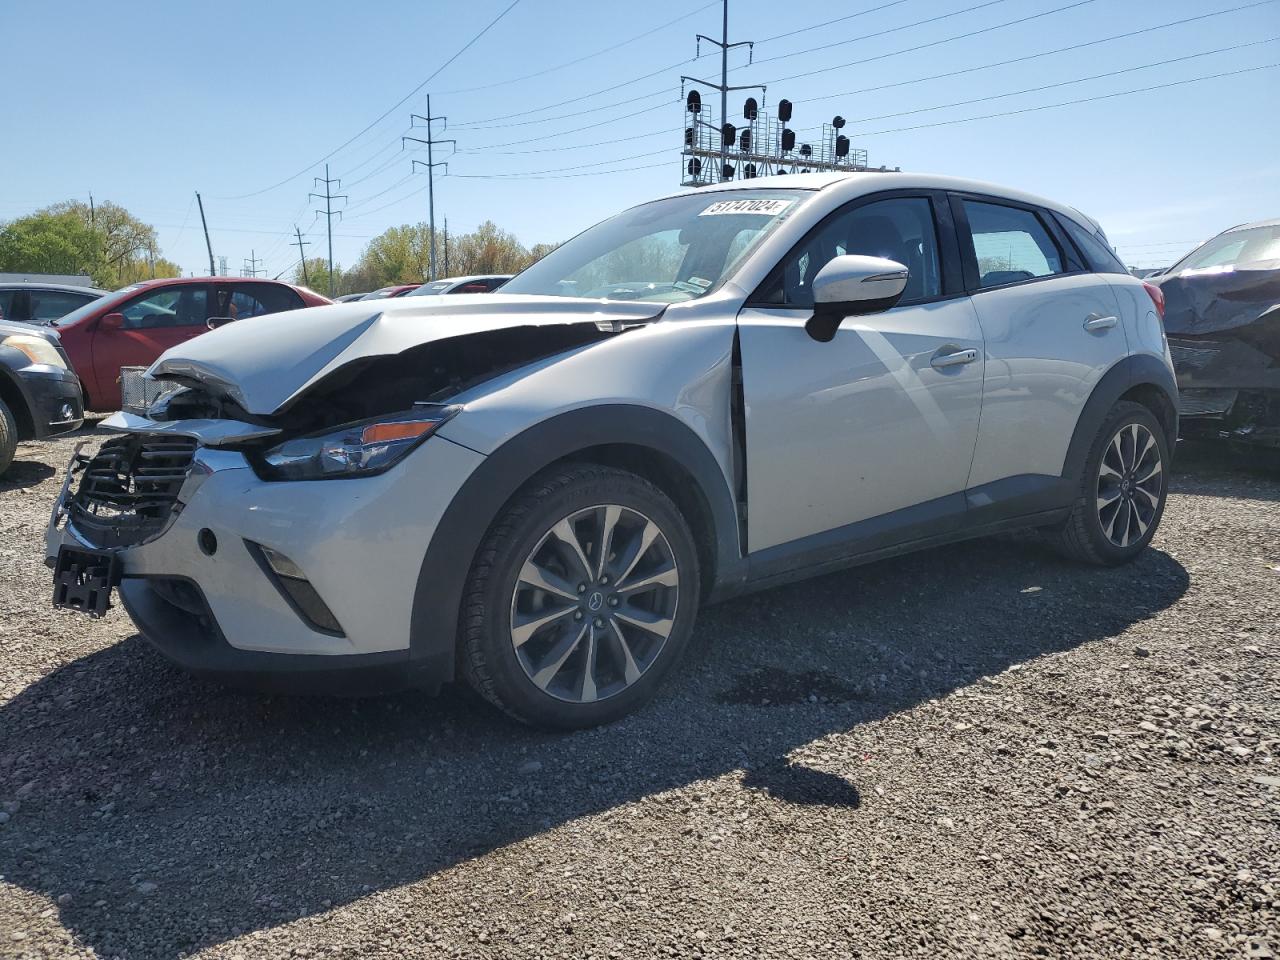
707 394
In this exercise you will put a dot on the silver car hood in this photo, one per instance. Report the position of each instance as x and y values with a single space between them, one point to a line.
265 363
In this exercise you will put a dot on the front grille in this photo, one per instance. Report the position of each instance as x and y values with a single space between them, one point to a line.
128 489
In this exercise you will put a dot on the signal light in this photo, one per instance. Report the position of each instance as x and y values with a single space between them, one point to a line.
842 146
806 150
781 172
784 111
726 172
788 139
694 167
694 102
688 136
730 133
749 171
838 122
750 108
744 141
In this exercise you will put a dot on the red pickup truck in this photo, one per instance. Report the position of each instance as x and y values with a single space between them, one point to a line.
134 325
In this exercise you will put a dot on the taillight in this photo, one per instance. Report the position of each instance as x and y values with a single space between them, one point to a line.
1157 297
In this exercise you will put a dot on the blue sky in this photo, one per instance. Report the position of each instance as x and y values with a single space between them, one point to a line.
145 102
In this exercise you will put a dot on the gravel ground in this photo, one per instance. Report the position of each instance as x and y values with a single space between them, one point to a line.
980 751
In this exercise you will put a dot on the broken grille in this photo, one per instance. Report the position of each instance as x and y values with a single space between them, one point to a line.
128 489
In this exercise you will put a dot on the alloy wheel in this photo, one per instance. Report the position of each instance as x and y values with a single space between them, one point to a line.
594 603
1130 485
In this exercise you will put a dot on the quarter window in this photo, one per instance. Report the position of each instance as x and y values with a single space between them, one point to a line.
899 228
1011 244
1100 256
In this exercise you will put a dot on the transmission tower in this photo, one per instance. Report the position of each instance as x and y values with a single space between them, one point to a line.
328 197
430 166
250 268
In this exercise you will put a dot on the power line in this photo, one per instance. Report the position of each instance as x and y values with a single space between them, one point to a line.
399 103
1064 83
827 23
1034 56
589 56
1070 103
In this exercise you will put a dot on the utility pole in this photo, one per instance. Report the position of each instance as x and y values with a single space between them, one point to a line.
446 248
306 282
329 196
251 265
723 86
431 164
204 223
151 258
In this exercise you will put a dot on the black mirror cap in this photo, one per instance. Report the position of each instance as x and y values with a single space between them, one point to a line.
826 319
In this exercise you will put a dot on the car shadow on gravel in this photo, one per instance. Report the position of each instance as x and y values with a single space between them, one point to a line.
25 473
162 814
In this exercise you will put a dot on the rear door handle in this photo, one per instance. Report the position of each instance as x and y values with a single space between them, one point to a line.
1096 322
955 359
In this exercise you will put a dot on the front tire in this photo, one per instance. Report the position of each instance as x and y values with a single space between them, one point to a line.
581 598
8 438
1123 488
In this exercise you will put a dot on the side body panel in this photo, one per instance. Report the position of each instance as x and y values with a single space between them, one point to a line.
859 427
1042 365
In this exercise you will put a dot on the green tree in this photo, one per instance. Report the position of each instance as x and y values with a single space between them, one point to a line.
487 249
316 276
47 242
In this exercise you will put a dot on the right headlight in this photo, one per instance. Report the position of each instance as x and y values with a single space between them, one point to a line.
358 449
37 349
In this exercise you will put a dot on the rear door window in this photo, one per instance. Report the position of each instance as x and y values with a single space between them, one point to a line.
1011 244
240 301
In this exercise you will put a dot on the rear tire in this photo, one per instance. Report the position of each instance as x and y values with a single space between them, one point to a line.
8 438
580 600
1123 487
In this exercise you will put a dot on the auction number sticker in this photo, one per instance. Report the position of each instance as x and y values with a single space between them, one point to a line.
768 208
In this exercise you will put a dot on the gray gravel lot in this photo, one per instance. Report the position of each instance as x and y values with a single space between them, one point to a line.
980 751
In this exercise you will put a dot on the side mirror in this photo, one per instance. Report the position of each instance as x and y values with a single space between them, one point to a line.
853 285
213 323
112 321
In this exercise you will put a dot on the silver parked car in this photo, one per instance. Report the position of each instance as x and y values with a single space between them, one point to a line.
707 394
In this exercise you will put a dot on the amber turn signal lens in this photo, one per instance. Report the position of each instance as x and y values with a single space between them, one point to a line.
387 432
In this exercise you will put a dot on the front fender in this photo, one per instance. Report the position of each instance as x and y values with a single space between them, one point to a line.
442 579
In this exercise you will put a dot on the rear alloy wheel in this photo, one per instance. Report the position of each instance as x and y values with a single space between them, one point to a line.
1130 485
1123 488
581 598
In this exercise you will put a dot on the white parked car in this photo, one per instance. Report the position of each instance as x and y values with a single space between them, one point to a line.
710 393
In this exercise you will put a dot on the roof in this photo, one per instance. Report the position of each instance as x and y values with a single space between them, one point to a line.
1254 225
73 279
166 281
856 184
59 287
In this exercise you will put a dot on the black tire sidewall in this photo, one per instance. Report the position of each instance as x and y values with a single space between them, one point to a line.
597 486
1123 415
8 438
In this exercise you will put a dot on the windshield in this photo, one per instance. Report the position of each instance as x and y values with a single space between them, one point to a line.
666 251
1234 247
430 289
94 306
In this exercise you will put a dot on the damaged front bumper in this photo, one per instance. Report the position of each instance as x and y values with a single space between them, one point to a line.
1228 390
237 576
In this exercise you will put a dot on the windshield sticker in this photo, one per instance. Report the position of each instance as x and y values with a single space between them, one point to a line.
700 281
688 286
767 208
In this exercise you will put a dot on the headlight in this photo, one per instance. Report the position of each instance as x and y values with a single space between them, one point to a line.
37 349
356 449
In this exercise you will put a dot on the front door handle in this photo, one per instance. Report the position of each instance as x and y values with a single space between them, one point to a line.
955 359
1097 322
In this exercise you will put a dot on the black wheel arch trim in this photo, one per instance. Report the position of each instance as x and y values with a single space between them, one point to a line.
1136 370
437 598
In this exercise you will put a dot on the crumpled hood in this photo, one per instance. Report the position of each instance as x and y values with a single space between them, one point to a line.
265 363
1200 302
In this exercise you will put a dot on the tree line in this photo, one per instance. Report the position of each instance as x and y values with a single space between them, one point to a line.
102 241
115 248
403 255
